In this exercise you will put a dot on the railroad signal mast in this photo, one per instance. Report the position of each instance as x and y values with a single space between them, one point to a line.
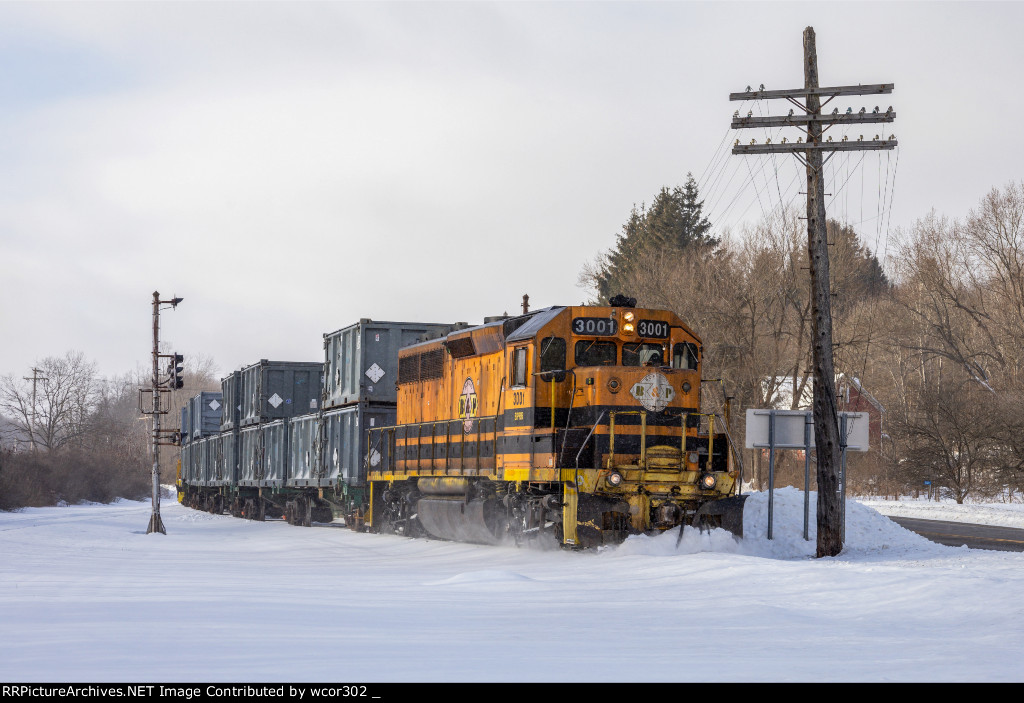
161 385
175 379
814 124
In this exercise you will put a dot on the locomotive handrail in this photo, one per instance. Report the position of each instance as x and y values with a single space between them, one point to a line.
738 457
643 433
587 439
572 401
497 412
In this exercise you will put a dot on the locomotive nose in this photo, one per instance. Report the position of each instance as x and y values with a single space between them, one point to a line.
653 389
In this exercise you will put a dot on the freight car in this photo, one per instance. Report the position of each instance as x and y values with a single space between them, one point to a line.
581 423
291 440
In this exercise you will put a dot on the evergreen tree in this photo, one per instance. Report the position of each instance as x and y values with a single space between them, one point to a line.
674 221
865 271
693 221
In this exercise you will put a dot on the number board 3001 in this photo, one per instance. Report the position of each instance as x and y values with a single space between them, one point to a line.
652 328
602 326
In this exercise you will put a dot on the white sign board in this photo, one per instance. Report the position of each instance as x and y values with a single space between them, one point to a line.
789 429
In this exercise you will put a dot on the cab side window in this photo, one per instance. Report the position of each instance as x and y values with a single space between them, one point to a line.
519 366
552 354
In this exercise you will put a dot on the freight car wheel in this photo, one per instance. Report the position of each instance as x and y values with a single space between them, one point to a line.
323 513
297 512
354 520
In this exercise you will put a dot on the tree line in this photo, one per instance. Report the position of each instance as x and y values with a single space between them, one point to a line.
80 436
936 337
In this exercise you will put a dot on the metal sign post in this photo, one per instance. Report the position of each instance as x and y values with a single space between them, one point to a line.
771 472
843 423
794 429
808 438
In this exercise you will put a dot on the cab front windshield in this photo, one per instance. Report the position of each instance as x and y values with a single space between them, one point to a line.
595 353
643 354
592 352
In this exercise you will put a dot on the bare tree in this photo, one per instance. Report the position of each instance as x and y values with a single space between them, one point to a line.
116 426
952 436
63 402
994 243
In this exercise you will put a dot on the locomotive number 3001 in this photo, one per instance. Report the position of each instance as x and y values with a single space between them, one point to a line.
594 325
652 328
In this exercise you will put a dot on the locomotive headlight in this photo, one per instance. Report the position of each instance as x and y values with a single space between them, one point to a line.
628 327
628 317
614 478
707 482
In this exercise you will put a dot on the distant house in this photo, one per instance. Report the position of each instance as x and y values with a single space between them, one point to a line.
779 390
852 397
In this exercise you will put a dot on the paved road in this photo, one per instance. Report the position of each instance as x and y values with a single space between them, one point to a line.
955 534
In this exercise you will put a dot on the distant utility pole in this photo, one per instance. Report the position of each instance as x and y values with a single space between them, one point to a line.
32 423
813 123
156 524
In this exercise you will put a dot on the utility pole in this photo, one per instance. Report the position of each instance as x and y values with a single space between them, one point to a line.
32 423
156 524
814 124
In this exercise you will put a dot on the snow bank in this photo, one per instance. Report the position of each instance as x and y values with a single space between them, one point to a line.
867 531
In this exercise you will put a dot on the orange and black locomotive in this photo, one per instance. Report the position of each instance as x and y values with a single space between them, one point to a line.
580 422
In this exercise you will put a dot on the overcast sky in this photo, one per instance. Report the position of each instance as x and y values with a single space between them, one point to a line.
290 168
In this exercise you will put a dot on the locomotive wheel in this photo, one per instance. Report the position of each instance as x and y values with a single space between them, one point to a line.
413 527
394 520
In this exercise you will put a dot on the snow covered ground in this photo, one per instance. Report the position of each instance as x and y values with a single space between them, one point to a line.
1000 514
86 595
